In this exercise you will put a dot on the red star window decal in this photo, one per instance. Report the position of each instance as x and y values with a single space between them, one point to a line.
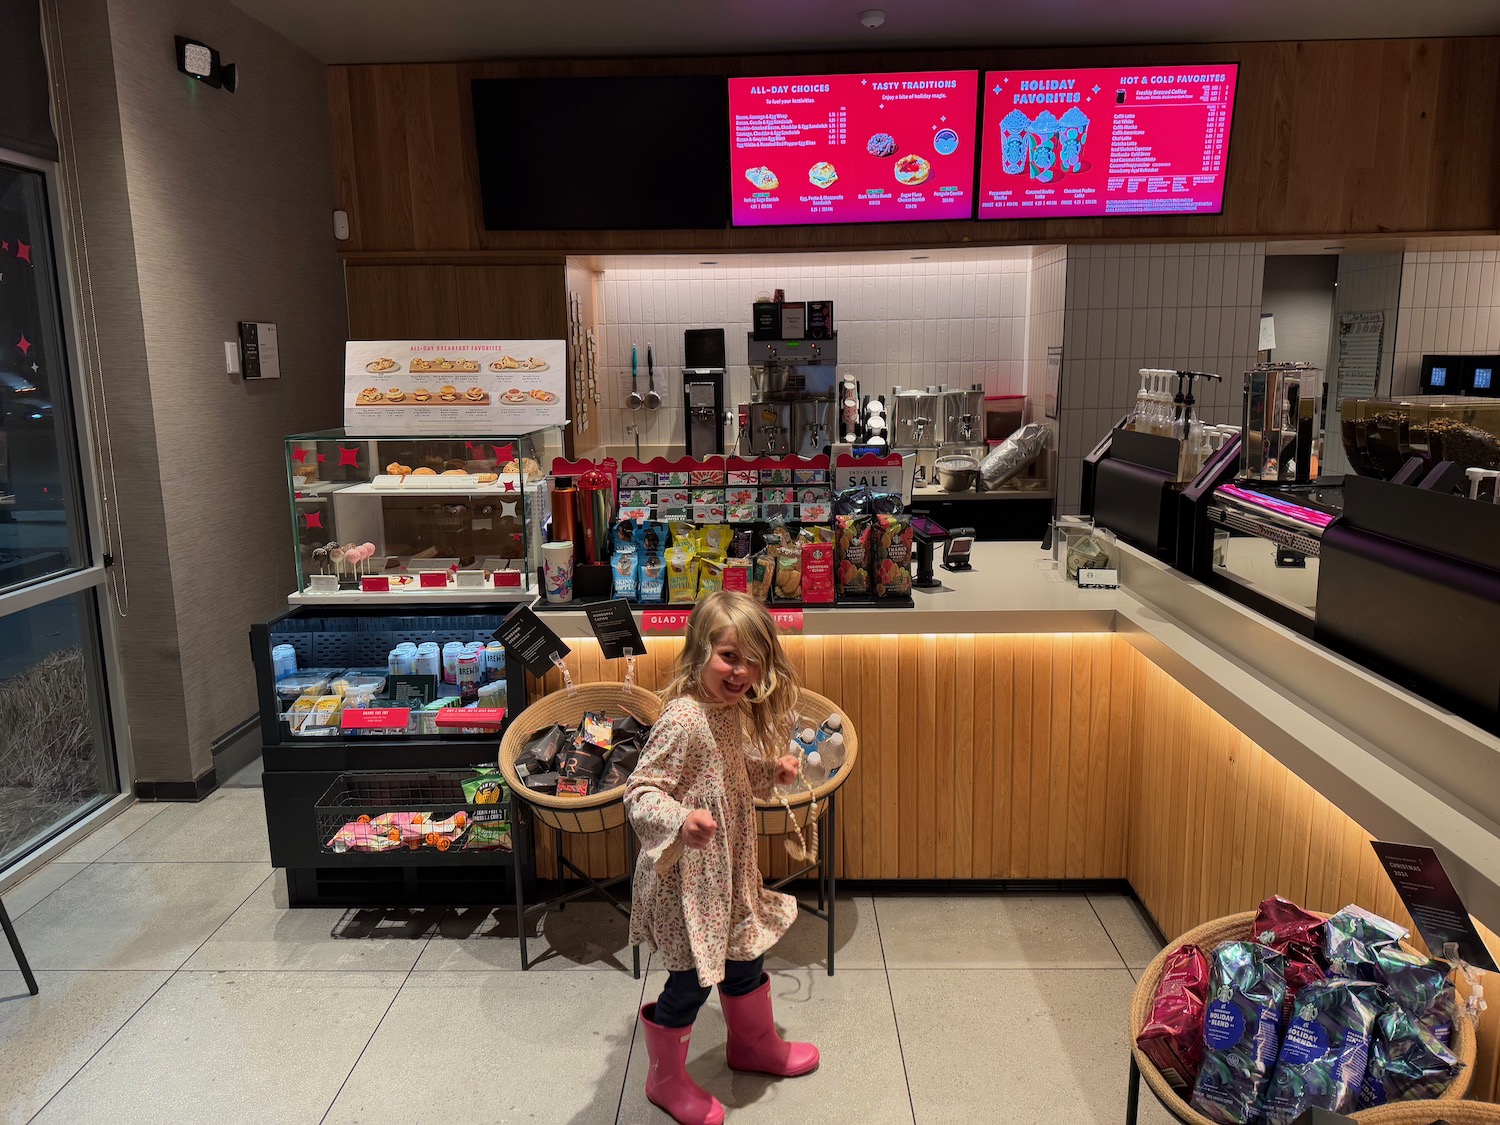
23 251
24 344
348 457
314 519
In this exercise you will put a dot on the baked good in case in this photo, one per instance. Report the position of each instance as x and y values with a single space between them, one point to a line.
454 473
424 471
487 478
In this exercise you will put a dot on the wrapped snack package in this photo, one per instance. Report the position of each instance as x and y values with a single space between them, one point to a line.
1012 455
362 836
1326 1049
582 758
762 575
852 537
682 573
886 504
892 556
1173 1035
1353 935
816 533
651 537
625 572
541 750
740 544
788 573
1241 1031
490 828
1420 985
653 580
625 534
715 539
710 575
737 575
1407 1062
542 782
682 532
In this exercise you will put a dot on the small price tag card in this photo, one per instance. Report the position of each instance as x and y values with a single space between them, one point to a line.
375 584
487 718
375 718
434 580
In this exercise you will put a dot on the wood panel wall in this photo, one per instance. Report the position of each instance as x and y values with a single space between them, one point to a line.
1055 756
415 301
1330 139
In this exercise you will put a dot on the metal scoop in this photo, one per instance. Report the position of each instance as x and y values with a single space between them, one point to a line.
635 401
653 400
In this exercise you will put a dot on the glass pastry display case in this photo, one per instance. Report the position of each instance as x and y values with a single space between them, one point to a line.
424 518
1381 435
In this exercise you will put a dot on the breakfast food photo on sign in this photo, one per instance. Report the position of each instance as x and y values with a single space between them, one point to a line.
822 174
912 170
382 364
762 178
881 144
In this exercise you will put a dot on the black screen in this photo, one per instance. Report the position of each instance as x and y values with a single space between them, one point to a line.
603 153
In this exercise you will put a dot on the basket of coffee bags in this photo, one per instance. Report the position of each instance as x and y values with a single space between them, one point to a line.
570 753
1259 1017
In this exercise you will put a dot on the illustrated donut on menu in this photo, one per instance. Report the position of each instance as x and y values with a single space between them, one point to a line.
881 144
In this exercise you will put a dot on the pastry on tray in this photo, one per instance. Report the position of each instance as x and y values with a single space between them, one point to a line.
533 364
383 364
424 471
466 365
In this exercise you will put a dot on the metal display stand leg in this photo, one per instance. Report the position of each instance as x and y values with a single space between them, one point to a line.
15 948
603 888
827 908
1133 1092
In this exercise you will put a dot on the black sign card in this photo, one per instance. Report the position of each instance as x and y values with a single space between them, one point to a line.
530 641
1433 903
615 626
411 691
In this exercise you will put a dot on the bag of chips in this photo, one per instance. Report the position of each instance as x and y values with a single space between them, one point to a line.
489 827
710 575
1407 1062
1325 1051
1173 1035
624 568
682 573
1241 1031
851 543
653 580
892 556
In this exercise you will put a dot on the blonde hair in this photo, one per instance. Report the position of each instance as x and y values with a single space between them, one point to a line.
771 706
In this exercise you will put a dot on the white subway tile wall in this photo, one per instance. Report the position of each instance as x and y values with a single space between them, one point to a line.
1190 306
958 318
1450 304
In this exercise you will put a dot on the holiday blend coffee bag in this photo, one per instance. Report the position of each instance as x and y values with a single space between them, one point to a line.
1420 985
1352 937
1241 1031
1173 1035
1407 1062
1326 1049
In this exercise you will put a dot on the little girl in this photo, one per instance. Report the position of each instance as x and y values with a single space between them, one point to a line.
698 896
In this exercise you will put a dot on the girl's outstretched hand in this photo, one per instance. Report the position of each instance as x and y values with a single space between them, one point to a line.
787 768
698 829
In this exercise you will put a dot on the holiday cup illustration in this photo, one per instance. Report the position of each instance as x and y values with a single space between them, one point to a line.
1013 142
1041 147
1073 134
557 570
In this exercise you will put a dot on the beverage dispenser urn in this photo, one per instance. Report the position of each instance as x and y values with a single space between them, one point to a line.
703 391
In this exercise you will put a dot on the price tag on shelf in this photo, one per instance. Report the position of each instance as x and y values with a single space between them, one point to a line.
487 718
434 580
375 584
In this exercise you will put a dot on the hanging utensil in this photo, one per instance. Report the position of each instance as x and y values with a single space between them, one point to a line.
653 400
635 401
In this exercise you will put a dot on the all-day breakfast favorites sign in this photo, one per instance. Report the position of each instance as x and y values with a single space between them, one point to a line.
1105 141
448 387
853 148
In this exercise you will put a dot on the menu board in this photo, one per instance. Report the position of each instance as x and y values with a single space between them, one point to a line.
853 148
453 387
1105 141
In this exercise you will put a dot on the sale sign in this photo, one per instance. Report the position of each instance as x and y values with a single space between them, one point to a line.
1105 141
853 148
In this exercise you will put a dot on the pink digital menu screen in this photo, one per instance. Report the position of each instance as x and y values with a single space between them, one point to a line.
1105 141
853 148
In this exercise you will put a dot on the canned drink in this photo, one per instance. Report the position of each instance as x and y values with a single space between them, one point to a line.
429 662
451 652
494 661
402 661
467 673
283 660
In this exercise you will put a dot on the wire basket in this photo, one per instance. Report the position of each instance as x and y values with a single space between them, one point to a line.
1425 1113
1241 927
401 810
598 812
772 818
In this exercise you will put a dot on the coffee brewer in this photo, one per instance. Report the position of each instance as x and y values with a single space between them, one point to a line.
794 408
703 391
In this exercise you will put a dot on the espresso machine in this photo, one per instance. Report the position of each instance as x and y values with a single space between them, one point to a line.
794 407
703 391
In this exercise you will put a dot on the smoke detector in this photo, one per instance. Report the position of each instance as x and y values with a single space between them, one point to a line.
872 17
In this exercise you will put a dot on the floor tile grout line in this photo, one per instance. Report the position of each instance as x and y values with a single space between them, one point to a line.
360 1057
49 894
164 806
1120 953
635 1028
911 1102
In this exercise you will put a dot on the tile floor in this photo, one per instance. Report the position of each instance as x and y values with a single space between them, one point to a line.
177 987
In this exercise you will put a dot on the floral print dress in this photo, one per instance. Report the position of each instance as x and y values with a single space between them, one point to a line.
701 907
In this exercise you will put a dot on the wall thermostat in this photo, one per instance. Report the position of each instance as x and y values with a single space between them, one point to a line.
260 357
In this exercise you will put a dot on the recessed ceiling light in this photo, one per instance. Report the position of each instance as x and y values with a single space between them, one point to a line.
920 257
872 17
708 263
1333 248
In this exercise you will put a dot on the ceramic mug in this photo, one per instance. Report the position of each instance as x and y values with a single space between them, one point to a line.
557 570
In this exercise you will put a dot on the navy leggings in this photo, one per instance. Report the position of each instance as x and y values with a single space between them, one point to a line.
679 1002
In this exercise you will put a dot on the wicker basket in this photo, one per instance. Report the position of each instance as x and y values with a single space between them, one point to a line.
1241 927
772 815
1426 1112
598 812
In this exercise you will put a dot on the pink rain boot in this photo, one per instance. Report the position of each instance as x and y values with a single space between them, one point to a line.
753 1042
667 1083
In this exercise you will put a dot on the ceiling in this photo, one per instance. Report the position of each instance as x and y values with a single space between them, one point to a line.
366 31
